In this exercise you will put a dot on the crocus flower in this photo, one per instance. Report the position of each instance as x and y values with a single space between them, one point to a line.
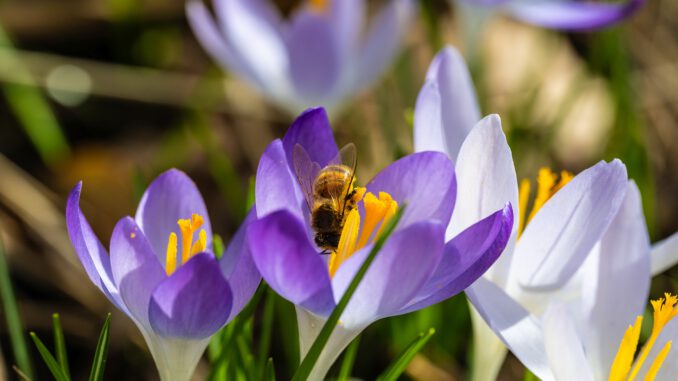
323 53
569 216
414 269
163 274
558 14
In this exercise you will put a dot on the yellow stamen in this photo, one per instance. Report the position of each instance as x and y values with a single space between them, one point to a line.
523 197
378 211
547 186
171 257
201 244
188 227
319 5
665 309
627 348
347 242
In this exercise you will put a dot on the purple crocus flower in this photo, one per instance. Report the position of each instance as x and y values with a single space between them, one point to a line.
163 274
323 53
414 269
557 14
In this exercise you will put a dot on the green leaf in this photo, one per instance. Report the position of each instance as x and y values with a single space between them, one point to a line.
269 371
314 352
60 345
218 246
16 333
266 331
529 376
349 359
398 366
51 362
99 363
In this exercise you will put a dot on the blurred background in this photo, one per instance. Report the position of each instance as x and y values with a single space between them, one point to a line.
113 92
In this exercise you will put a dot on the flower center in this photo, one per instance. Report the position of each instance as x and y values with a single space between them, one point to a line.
547 186
319 5
188 249
378 211
664 310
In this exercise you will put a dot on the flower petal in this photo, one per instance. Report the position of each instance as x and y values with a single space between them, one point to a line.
170 197
313 132
572 15
459 105
664 254
289 263
194 302
252 30
276 186
623 268
348 17
382 41
424 181
466 257
428 123
135 268
487 179
519 330
399 270
564 346
91 252
563 232
314 56
238 267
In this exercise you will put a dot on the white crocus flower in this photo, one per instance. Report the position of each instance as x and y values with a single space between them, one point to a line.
566 228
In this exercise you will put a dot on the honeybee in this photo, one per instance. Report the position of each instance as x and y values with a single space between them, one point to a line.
329 192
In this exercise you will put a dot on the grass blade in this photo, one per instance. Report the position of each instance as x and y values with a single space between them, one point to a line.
398 366
349 359
269 371
314 352
60 345
51 362
100 355
13 318
266 331
21 374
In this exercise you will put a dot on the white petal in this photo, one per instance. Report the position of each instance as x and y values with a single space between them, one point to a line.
564 347
309 328
560 236
489 351
664 254
428 123
486 181
514 325
175 358
669 369
459 106
623 271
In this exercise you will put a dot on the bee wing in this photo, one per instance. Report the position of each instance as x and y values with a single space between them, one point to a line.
347 156
306 171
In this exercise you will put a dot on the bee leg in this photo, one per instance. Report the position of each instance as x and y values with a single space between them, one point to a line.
350 195
325 252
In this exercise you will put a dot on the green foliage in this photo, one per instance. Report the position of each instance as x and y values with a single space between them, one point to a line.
99 363
13 318
398 366
349 359
60 345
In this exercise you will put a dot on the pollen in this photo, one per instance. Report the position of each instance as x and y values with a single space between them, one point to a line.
548 184
378 211
319 5
664 310
187 227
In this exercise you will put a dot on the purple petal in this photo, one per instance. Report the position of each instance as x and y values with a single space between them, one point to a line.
572 15
399 270
313 54
313 132
428 123
135 267
466 258
238 267
91 252
289 263
424 181
382 40
347 17
194 302
276 186
170 197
